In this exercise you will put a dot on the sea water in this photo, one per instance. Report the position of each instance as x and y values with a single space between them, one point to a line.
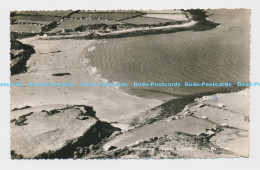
218 55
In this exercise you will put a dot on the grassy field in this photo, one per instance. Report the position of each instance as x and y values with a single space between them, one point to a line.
175 17
162 11
117 16
50 13
145 20
88 18
74 23
32 22
36 18
25 28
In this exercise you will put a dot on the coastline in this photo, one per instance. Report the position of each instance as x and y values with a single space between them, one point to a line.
142 122
129 113
126 33
133 115
198 21
163 124
42 66
211 119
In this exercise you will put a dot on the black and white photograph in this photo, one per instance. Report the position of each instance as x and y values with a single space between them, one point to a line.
130 83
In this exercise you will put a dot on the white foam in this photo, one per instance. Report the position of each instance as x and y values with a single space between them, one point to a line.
91 49
93 71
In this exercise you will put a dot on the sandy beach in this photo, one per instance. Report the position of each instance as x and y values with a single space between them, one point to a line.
111 104
108 122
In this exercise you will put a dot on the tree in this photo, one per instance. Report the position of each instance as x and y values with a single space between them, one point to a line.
12 14
113 27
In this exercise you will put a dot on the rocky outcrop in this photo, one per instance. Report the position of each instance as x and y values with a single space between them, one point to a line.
20 54
210 127
56 133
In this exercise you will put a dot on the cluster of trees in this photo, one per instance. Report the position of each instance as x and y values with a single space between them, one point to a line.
12 14
96 27
49 27
160 24
202 24
121 26
18 35
198 14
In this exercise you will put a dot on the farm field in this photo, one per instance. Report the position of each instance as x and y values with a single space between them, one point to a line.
49 13
162 11
25 28
175 17
145 20
117 16
117 115
36 18
32 22
85 18
74 23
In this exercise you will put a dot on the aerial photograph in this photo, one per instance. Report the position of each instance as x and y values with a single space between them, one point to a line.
130 84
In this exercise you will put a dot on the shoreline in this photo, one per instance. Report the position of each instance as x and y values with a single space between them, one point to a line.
95 76
198 22
126 33
210 123
117 140
118 124
42 67
177 105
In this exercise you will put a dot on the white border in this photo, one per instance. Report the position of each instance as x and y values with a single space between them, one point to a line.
241 163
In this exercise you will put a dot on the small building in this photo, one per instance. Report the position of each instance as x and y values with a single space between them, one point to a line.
204 117
221 105
223 124
210 132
